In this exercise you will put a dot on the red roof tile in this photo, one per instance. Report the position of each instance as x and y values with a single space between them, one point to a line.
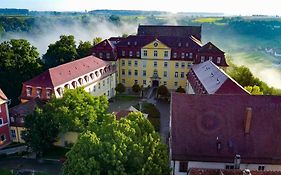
198 120
66 72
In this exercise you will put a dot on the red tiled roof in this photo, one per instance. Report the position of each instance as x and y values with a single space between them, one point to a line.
198 120
2 95
66 72
210 48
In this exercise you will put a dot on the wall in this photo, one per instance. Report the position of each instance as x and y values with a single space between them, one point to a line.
18 131
67 138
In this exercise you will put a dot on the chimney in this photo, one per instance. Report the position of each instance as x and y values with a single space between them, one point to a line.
237 161
248 118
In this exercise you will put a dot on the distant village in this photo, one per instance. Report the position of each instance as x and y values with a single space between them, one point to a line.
215 127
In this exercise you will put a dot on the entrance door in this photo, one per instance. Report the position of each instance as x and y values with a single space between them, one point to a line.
155 83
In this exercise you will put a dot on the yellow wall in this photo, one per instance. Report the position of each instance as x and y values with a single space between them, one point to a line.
18 131
146 63
69 137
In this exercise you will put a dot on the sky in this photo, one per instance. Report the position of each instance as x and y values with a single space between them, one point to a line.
229 7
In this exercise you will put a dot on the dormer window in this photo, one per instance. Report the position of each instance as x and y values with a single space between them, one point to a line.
138 53
48 93
59 91
123 53
92 76
210 58
175 55
80 80
101 71
182 55
100 54
219 60
38 92
186 44
86 78
28 91
97 73
202 59
136 43
190 55
179 44
129 43
66 86
131 53
107 55
74 84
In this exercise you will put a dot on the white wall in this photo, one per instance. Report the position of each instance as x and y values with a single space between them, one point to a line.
189 89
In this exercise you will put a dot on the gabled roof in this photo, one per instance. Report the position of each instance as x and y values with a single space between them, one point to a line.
169 30
66 72
105 44
203 171
200 122
210 48
215 80
2 95
24 109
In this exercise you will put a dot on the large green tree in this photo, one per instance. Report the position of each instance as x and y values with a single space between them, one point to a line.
41 131
62 51
19 61
84 49
128 146
162 91
77 109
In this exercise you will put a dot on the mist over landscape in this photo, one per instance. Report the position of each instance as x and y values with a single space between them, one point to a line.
250 41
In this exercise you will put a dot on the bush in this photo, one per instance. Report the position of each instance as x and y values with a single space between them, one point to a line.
180 90
120 88
136 88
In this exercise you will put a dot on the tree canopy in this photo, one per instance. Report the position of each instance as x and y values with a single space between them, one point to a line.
180 90
163 91
136 88
128 146
62 51
84 49
254 90
97 40
41 131
120 88
19 61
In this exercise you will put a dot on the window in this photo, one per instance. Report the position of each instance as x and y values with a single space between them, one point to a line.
219 60
100 54
165 64
129 62
129 72
183 167
123 71
123 53
138 53
186 44
136 81
190 55
165 73
182 55
107 55
186 55
145 53
179 44
176 83
229 167
28 91
13 133
144 73
175 55
136 43
136 72
99 86
80 80
1 121
202 59
38 92
166 53
261 168
177 64
123 81
129 43
182 65
131 53
3 138
155 63
94 89
12 119
143 63
136 63
103 82
123 62
155 53
189 65
144 82
182 74
165 83
210 58
176 74
48 93
59 90
86 78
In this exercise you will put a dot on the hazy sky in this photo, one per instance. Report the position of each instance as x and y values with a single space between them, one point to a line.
236 7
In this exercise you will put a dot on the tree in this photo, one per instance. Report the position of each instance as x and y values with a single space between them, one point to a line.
180 90
61 51
41 131
128 146
76 110
84 49
97 40
19 61
136 88
120 88
254 90
163 91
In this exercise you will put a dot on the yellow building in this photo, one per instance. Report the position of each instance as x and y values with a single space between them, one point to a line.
158 55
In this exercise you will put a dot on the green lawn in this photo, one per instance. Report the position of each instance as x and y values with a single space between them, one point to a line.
56 153
126 97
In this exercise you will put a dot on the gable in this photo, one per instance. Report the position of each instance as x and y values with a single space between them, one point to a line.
156 44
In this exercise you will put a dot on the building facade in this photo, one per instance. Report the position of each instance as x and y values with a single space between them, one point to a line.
225 132
158 55
4 120
98 77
